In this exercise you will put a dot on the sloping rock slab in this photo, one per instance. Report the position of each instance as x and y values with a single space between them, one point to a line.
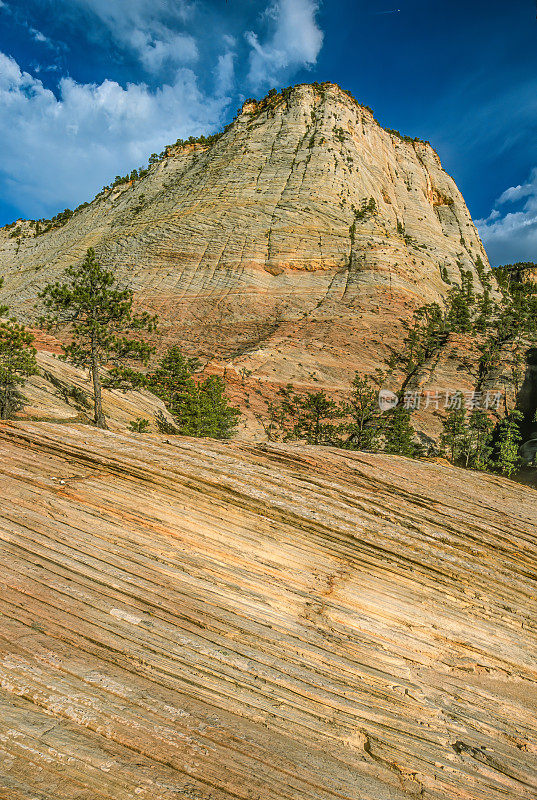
190 619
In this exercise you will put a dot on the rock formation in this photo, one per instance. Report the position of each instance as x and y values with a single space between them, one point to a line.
205 620
292 246
262 622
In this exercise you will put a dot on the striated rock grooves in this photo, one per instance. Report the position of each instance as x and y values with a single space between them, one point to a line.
252 247
205 620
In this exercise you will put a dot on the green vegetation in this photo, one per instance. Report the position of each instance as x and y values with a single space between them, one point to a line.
45 225
454 433
307 416
339 134
105 336
134 175
139 425
475 437
508 443
425 335
509 323
17 362
444 274
467 439
510 320
368 206
505 327
484 276
459 317
399 436
96 314
366 423
204 140
356 424
199 408
405 138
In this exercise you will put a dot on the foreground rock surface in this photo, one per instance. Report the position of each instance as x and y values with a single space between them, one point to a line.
205 620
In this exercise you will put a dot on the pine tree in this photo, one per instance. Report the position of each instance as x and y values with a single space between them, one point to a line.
365 428
468 286
316 412
425 335
459 317
479 437
455 433
508 442
139 425
17 362
399 433
172 380
214 416
309 416
468 439
98 314
284 413
199 408
485 310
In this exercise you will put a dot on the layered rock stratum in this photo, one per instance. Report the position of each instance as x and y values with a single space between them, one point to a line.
205 620
291 247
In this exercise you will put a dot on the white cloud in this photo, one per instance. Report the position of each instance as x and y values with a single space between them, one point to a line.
149 28
225 72
156 51
57 148
511 235
38 68
121 12
295 42
58 151
38 36
515 193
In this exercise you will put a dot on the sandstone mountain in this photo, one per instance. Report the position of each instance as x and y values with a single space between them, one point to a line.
291 247
217 621
192 619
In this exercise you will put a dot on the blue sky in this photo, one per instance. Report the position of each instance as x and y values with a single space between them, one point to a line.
89 88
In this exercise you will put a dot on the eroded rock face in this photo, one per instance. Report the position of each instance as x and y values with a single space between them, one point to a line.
204 620
292 246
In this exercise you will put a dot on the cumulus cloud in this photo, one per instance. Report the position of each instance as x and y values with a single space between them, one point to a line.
295 41
509 233
515 193
59 150
60 142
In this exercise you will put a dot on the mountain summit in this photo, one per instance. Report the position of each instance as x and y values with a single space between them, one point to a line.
304 227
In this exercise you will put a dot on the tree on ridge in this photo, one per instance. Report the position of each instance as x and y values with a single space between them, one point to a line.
98 315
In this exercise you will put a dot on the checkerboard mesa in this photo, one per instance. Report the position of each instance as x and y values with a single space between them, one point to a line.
291 245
